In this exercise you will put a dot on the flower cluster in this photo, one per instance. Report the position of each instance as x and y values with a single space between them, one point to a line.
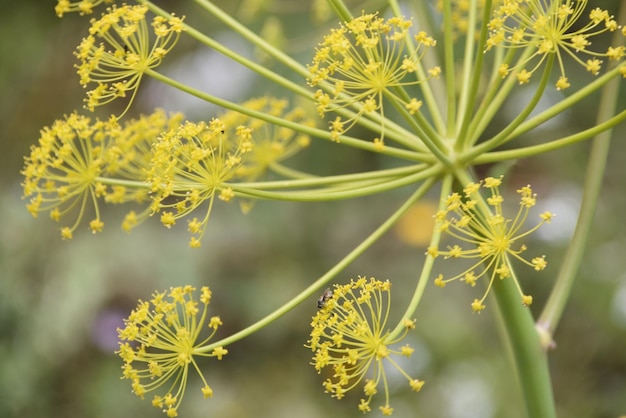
364 61
552 28
118 51
160 342
492 238
190 166
350 337
69 169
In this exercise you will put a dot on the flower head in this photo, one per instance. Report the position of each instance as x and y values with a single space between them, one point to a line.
160 342
61 173
491 238
362 62
75 158
350 337
191 165
552 28
118 51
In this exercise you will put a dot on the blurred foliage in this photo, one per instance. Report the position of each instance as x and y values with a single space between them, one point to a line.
60 302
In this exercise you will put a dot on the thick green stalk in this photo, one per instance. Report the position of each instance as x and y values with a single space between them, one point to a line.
529 355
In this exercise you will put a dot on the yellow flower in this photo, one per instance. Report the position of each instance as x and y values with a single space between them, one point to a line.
118 51
160 342
556 27
362 62
491 238
61 173
351 338
77 156
191 165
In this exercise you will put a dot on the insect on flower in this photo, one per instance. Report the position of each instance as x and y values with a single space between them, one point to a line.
321 302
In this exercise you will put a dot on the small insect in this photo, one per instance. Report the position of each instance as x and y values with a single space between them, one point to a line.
321 302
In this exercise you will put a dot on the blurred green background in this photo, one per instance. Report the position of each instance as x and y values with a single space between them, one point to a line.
61 301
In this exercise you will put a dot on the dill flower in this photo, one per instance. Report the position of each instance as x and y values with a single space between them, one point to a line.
160 341
79 162
350 337
363 61
83 7
555 27
62 172
492 238
118 51
190 166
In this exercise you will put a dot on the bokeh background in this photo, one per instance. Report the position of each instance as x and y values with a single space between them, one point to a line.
61 301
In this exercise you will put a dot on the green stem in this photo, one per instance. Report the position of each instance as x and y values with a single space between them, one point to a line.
429 137
341 193
134 184
329 275
313 181
530 358
471 74
428 264
341 10
255 39
497 156
565 104
553 310
450 68
504 135
289 173
497 92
